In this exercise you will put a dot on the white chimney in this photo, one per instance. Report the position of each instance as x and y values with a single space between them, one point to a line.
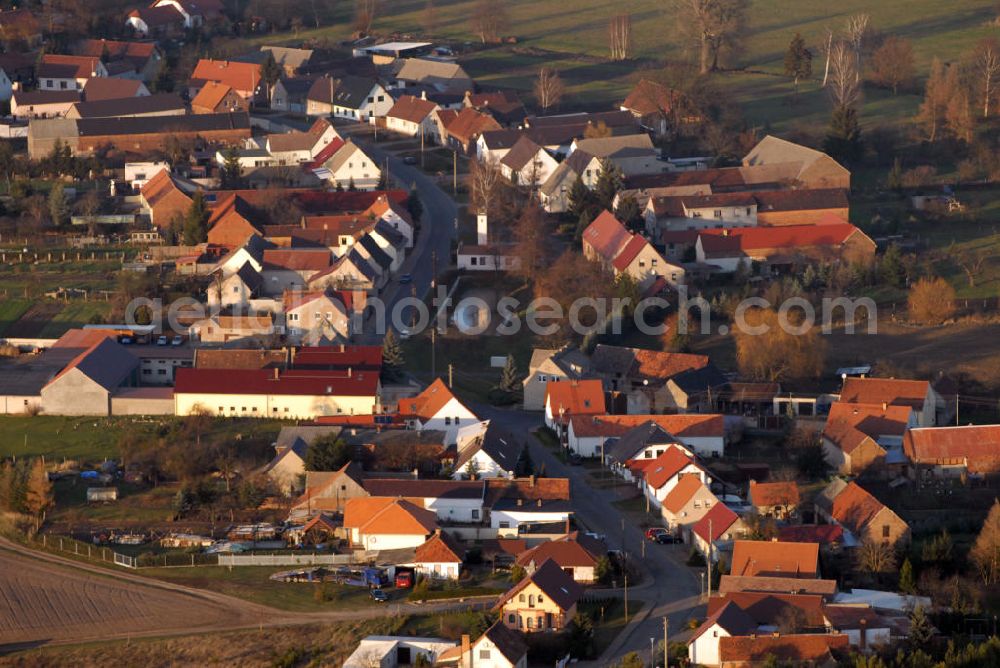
482 229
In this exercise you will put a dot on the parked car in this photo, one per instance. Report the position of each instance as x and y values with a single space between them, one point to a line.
595 536
405 278
574 458
161 340
379 596
177 340
409 160
666 538
654 532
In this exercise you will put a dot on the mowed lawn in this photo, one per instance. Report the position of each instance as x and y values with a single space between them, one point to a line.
11 311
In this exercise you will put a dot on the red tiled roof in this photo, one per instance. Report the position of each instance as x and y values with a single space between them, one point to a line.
649 97
775 559
606 235
854 507
469 123
242 77
634 246
663 365
734 583
720 518
666 466
823 534
105 88
688 485
155 17
411 108
764 494
428 403
885 390
977 446
849 425
566 398
438 549
815 647
566 553
326 153
790 236
373 515
689 425
77 66
211 94
304 259
768 608
263 381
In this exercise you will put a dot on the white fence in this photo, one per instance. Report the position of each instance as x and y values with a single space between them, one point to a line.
125 560
295 559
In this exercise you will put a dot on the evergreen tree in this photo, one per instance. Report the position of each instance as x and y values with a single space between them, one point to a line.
58 209
472 470
580 198
891 268
809 277
393 361
196 221
509 381
609 182
231 174
843 141
327 453
38 494
895 179
907 583
270 70
921 630
798 60
628 212
413 204
350 185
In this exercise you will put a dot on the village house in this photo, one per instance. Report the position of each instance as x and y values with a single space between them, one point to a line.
166 198
316 317
773 558
607 241
686 504
104 88
865 628
144 106
657 107
290 95
384 523
330 490
129 60
659 476
292 394
806 166
554 193
866 438
397 651
574 553
439 558
233 327
917 394
545 600
770 611
503 105
565 399
487 450
464 128
461 501
716 531
564 363
498 647
195 12
59 72
164 21
779 500
350 167
857 511
292 268
349 272
727 621
632 154
412 116
826 589
297 147
953 452
217 98
287 470
439 75
813 650
783 248
243 78
437 408
644 376
238 288
85 385
42 103
293 61
703 435
527 164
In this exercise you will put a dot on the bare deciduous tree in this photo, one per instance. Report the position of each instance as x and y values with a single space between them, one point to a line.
714 26
549 88
858 30
488 20
985 553
365 12
620 36
875 557
485 178
972 263
986 63
844 82
892 63
429 19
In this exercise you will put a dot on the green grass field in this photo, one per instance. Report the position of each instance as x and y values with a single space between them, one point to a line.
10 311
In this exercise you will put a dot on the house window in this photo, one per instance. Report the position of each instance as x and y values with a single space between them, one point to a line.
161 372
371 99
475 514
474 261
381 98
456 420
447 420
885 531
652 263
540 599
221 409
520 598
511 619
748 211
484 654
531 621
505 525
642 263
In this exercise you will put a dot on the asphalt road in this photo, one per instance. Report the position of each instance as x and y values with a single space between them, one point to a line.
437 229
670 589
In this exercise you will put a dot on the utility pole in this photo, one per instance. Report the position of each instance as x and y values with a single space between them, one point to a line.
626 599
433 352
956 410
666 645
451 384
421 146
454 172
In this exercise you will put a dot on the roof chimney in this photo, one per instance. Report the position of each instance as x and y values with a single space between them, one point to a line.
276 373
348 372
538 502
531 480
885 406
520 502
466 650
416 474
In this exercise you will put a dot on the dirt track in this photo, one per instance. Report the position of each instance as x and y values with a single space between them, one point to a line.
47 599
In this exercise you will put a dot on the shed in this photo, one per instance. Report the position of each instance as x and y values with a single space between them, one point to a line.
102 494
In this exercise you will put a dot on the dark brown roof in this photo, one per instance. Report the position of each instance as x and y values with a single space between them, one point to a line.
147 104
767 609
801 200
442 489
735 583
554 582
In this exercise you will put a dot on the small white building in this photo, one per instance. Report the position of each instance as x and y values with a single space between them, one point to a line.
396 651
730 620
350 167
439 409
137 174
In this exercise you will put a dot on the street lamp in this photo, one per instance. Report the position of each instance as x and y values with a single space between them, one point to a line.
652 652
702 583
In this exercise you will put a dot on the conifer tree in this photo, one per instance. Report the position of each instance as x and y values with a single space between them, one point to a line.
509 381
392 357
38 494
196 221
798 60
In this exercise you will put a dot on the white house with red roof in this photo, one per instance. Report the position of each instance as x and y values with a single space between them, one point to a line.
439 409
439 558
661 475
297 147
704 435
387 523
607 241
728 621
717 529
917 394
565 399
316 317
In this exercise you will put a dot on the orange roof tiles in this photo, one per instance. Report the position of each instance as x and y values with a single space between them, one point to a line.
977 446
469 123
775 559
439 549
885 390
411 108
385 515
566 553
428 403
855 507
211 94
666 466
606 235
690 425
687 486
242 77
801 648
848 425
662 364
719 518
791 236
768 609
774 493
566 398
649 97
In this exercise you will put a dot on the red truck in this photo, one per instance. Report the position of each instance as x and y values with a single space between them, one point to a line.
404 579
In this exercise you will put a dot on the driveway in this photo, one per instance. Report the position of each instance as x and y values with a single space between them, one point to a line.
669 588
